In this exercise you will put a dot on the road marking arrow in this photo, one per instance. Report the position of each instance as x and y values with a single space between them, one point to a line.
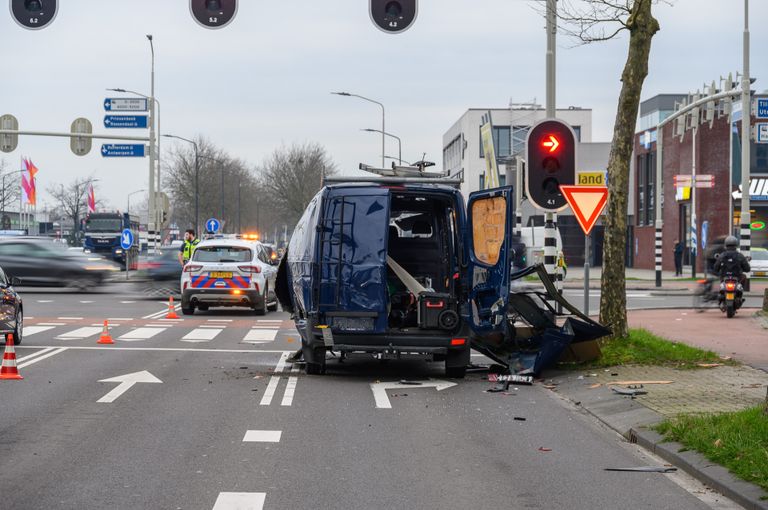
380 389
126 382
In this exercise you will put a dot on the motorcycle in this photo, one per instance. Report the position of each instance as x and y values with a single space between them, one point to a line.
731 295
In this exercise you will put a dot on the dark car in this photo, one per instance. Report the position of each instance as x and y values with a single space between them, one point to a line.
42 262
11 309
163 272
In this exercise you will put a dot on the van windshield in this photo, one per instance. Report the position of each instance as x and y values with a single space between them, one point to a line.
222 254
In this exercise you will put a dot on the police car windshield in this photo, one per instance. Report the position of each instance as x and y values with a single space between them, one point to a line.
759 254
222 254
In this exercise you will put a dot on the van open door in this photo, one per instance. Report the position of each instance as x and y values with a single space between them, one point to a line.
489 241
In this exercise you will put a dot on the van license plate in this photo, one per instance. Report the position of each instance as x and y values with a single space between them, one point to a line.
220 274
729 295
761 273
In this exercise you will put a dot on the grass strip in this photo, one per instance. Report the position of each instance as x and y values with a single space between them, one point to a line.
737 441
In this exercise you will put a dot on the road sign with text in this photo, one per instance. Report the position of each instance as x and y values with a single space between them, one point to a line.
590 178
123 150
587 203
126 121
125 104
762 108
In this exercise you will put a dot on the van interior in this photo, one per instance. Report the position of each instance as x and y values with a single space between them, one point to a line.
423 241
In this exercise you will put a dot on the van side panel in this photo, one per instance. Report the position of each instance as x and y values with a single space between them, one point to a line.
301 256
352 248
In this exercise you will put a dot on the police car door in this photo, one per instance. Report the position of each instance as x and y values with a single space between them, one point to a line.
489 240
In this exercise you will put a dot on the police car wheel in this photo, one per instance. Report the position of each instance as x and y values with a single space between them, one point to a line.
188 311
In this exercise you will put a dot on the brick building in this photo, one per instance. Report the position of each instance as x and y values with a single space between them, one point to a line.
714 151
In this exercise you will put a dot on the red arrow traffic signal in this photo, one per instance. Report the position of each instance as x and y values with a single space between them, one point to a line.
551 143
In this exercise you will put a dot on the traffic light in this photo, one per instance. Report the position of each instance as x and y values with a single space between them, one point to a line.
393 16
550 163
34 14
213 13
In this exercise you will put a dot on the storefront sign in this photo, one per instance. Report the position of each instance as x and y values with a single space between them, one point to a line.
758 189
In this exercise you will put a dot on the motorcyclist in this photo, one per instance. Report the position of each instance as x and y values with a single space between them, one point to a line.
731 261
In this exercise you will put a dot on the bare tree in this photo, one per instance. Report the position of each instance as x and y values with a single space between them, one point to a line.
600 20
291 176
9 186
71 201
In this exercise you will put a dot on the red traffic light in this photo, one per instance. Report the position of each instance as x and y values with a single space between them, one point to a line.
551 143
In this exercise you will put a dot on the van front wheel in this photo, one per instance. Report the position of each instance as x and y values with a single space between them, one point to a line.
455 372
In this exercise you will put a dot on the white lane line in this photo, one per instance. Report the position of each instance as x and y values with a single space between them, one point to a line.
41 358
159 314
273 321
34 354
270 392
45 301
281 362
127 302
201 335
219 320
80 333
257 336
69 318
240 501
50 323
32 330
118 319
86 302
211 326
290 389
139 334
157 349
111 325
262 436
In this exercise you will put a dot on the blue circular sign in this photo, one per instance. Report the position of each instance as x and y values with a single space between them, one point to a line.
126 239
212 225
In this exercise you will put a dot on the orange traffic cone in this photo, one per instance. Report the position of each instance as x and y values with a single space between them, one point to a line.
105 338
9 370
171 310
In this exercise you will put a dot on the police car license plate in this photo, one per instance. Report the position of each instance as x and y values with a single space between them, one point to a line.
220 274
729 295
761 273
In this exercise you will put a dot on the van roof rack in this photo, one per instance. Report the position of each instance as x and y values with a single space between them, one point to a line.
400 174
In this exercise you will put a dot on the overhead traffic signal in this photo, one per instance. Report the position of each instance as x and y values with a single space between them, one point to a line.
213 13
34 14
550 163
393 16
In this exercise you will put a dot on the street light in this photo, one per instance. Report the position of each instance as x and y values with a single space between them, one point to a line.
399 142
383 128
197 179
129 198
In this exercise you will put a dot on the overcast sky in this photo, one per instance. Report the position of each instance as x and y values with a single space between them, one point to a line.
265 80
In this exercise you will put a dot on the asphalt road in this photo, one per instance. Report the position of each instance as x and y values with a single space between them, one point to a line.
231 425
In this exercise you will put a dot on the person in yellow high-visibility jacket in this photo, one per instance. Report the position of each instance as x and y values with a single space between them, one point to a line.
561 263
188 247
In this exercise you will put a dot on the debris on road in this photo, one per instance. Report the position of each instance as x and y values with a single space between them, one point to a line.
630 392
626 383
709 365
413 383
544 449
646 469
519 418
597 385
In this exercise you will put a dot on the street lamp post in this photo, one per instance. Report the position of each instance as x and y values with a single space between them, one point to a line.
399 142
383 126
197 180
746 135
153 224
129 198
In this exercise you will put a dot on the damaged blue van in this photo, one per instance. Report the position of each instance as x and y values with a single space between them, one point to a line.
402 267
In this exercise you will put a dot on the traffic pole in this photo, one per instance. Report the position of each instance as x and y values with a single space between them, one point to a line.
586 274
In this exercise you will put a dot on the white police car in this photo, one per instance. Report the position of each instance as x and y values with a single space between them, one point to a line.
229 272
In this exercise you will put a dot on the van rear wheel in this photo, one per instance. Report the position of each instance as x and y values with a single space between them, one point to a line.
315 363
455 372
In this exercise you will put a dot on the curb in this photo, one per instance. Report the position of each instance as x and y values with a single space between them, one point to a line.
696 465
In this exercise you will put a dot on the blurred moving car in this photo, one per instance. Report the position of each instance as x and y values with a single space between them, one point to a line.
41 262
229 272
162 272
759 262
11 308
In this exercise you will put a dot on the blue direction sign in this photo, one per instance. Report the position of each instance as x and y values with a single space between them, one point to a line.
125 104
125 121
212 225
762 108
126 240
123 150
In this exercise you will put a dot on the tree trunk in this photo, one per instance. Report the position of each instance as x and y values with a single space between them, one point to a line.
642 27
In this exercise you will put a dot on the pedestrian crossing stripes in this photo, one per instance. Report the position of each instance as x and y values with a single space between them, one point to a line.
32 330
257 336
140 334
80 333
201 335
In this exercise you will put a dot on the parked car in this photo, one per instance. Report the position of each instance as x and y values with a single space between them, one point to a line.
229 272
11 308
41 262
759 262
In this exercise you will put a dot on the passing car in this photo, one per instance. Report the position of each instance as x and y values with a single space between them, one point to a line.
42 262
161 273
229 272
759 262
11 309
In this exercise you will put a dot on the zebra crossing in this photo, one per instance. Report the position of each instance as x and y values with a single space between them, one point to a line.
256 332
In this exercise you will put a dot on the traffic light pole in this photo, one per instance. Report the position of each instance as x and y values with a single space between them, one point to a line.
152 220
518 195
746 136
550 218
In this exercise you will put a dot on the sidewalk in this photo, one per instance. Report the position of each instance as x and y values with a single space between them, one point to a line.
706 390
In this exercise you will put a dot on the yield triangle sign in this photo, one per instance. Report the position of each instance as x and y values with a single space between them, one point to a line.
587 203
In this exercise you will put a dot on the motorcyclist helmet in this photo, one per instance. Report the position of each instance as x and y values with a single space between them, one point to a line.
731 242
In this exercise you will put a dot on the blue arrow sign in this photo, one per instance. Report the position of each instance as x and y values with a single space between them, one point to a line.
125 104
126 240
762 108
125 121
123 150
212 225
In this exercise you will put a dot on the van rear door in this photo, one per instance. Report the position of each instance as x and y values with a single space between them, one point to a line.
352 279
489 240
